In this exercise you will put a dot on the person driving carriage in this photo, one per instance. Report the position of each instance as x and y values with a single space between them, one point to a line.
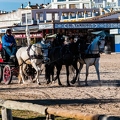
9 43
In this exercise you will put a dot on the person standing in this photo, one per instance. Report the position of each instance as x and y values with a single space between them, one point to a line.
9 43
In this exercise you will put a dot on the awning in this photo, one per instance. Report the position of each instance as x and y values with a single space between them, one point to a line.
103 33
23 28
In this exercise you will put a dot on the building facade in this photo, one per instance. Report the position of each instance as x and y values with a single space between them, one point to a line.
76 4
43 21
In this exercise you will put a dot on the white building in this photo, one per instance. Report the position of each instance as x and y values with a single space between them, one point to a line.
42 18
33 14
80 4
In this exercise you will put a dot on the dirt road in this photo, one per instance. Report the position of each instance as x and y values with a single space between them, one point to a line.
94 99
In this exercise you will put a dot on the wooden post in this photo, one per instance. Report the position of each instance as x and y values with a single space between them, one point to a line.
6 114
71 114
50 117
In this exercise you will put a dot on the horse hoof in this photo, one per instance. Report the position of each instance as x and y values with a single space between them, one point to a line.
48 82
68 85
86 84
19 82
53 82
60 84
39 84
33 80
100 84
73 81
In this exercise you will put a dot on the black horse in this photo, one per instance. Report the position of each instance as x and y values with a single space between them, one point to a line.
62 55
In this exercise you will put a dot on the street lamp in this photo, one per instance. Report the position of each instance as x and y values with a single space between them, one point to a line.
28 35
27 32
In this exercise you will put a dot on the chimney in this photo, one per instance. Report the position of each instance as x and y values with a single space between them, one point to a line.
29 3
21 6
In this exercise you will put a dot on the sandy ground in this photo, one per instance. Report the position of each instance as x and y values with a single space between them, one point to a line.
94 99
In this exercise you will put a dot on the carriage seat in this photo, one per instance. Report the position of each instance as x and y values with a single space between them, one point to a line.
0 47
5 55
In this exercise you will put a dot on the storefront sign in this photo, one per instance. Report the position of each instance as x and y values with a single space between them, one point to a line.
2 30
118 31
35 35
87 25
113 31
46 26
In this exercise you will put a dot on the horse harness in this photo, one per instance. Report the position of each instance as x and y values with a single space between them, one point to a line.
86 55
33 56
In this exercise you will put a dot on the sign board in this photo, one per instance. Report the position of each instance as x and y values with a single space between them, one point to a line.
87 25
118 31
35 35
2 30
113 31
46 26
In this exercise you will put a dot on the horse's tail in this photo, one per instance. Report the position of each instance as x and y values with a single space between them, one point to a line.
49 70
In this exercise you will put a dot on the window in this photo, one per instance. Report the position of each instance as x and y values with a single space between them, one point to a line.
85 5
37 15
41 16
72 6
23 18
26 18
29 18
61 6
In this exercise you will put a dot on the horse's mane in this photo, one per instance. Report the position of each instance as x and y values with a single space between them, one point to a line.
37 48
91 47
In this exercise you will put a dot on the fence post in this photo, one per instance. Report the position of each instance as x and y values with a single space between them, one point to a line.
6 114
50 117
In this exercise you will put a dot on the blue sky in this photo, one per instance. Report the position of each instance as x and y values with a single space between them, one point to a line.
9 5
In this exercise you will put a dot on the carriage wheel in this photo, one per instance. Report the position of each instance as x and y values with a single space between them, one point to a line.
7 75
1 73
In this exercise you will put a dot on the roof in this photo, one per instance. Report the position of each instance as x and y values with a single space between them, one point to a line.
112 16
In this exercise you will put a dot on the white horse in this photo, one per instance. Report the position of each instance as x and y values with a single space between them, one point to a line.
92 57
32 55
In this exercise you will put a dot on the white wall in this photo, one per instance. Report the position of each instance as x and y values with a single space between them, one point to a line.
11 18
117 39
67 2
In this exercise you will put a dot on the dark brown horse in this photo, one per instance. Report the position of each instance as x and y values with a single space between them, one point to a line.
62 55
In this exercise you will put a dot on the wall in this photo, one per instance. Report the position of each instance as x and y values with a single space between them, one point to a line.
12 18
117 43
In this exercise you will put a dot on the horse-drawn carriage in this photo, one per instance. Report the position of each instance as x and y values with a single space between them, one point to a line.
30 60
27 63
7 68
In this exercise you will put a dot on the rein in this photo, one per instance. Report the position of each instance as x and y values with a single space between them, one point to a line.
59 57
53 61
32 56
